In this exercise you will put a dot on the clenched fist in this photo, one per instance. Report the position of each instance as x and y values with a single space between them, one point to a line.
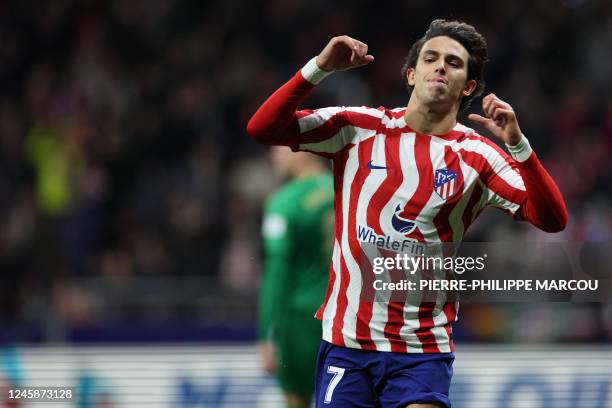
343 53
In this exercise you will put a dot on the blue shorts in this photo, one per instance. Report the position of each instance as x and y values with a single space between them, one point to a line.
348 377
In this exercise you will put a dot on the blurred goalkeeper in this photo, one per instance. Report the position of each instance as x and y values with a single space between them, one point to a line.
298 230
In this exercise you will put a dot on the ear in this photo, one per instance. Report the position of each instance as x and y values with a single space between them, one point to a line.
470 87
410 76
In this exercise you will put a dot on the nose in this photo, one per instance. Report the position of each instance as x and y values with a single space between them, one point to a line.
440 67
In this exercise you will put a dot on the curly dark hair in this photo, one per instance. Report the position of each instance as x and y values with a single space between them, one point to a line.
465 35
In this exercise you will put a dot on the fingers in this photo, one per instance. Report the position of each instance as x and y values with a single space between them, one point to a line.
359 55
478 119
343 53
501 112
481 120
491 104
500 119
487 123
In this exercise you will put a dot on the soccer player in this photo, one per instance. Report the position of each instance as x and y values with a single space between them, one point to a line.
414 173
298 233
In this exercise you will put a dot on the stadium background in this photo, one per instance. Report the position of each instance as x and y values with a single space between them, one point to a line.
131 194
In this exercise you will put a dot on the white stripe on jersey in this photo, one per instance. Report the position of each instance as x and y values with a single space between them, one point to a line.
317 118
354 286
330 308
338 141
370 186
463 129
408 187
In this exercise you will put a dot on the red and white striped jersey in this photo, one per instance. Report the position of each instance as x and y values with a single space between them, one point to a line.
383 171
394 184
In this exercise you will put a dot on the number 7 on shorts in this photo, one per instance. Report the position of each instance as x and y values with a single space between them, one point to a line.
337 372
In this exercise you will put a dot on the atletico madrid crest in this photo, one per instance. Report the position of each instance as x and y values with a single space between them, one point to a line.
446 183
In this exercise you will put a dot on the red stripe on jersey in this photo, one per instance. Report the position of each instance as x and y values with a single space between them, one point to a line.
342 302
364 313
428 340
426 323
441 220
468 213
390 184
424 190
339 165
395 310
412 209
338 168
450 311
334 124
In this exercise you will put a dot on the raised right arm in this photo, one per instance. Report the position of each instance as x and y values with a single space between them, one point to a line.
276 121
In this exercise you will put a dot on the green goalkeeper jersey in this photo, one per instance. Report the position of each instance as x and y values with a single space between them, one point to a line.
298 235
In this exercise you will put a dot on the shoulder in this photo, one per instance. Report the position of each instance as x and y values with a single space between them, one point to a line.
359 116
363 113
342 110
477 142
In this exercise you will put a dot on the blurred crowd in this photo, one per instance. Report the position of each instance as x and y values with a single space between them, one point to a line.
124 157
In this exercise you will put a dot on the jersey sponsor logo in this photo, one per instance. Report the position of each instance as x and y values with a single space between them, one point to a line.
445 183
367 235
400 224
372 166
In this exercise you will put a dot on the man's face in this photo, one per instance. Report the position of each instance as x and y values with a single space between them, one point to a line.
440 75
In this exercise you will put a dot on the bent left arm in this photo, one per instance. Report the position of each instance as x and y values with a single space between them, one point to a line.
543 206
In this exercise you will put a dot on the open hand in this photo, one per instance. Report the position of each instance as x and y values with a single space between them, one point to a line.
343 53
501 119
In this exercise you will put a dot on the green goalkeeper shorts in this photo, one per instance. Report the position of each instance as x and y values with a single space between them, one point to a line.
296 353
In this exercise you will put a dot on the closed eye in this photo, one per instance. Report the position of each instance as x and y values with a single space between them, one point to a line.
454 62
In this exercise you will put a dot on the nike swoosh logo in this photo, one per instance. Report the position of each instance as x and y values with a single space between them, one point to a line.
375 167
